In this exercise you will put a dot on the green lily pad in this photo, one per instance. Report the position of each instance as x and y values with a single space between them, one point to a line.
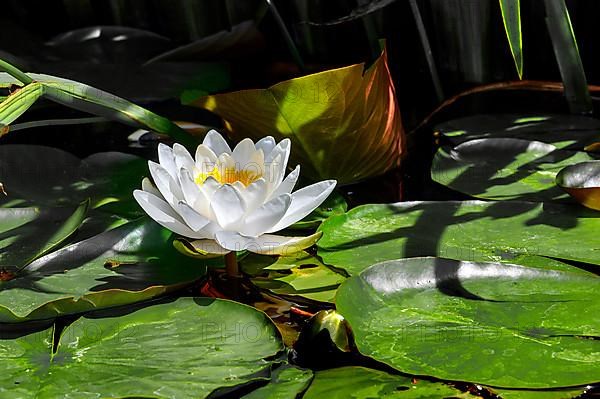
38 175
495 324
335 204
286 382
130 263
504 169
300 274
29 233
570 131
469 230
363 383
184 349
582 182
566 393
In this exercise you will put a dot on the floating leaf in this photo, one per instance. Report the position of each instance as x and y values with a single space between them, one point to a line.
363 383
489 323
195 345
130 263
29 233
286 382
469 230
511 16
335 204
34 175
564 131
518 170
582 182
300 274
343 123
566 393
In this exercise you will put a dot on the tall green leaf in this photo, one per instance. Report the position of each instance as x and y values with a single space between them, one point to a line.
567 56
81 97
511 16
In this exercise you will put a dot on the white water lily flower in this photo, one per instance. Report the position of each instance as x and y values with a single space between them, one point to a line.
230 200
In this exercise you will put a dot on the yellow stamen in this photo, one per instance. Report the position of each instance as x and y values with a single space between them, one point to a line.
228 175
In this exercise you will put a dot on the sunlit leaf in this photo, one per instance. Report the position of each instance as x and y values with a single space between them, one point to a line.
37 175
184 349
511 15
353 382
88 99
286 382
567 56
518 170
469 230
567 131
497 324
128 264
344 123
297 275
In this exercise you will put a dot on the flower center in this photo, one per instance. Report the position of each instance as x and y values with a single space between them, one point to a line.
229 175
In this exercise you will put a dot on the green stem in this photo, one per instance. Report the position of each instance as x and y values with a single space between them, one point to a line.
15 72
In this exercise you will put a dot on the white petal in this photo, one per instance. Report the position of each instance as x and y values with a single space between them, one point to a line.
183 159
224 163
216 143
167 186
256 164
149 187
205 159
192 218
266 216
242 153
228 206
267 244
304 201
166 159
191 191
163 214
255 194
209 187
266 144
288 184
209 247
193 194
273 174
277 164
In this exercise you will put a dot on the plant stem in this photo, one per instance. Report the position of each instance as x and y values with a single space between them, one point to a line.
15 72
231 265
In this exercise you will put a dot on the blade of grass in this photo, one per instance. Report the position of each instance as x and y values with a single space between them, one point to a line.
567 57
511 16
56 122
84 98
17 103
